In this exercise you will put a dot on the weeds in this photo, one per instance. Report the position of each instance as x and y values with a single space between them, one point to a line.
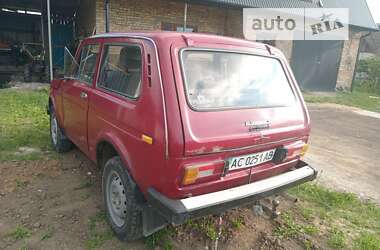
343 209
237 222
85 184
336 239
367 241
20 233
160 239
205 225
48 234
290 228
97 236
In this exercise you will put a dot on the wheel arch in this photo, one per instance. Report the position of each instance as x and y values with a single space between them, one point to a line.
107 148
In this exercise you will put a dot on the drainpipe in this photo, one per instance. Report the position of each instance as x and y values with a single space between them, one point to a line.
49 40
185 18
107 16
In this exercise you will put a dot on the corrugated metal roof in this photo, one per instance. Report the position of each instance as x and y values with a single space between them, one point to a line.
360 15
262 3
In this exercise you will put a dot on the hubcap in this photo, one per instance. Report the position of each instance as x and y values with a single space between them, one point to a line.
54 129
116 200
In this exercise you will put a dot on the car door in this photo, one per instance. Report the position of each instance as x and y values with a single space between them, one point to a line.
77 93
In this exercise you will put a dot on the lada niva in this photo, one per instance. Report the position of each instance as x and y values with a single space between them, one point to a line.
182 125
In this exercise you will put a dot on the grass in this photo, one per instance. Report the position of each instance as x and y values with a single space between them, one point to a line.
355 99
337 239
237 222
367 241
20 233
205 226
85 184
290 228
48 234
99 231
160 239
23 123
350 222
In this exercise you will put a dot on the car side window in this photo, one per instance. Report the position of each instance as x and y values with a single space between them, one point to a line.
121 70
87 63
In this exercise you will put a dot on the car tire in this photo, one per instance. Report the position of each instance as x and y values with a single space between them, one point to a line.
59 141
123 212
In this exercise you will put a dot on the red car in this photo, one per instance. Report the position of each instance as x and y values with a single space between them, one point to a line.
182 124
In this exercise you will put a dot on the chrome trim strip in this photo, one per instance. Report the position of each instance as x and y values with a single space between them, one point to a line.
241 192
247 147
121 35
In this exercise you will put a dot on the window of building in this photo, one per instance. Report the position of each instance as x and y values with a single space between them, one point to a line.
178 27
121 70
87 63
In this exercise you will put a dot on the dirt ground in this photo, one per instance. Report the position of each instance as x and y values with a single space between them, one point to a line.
59 204
345 147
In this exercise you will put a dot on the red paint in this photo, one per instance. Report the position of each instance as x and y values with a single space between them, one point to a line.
193 137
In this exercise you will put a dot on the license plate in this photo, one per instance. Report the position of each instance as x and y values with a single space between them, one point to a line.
246 161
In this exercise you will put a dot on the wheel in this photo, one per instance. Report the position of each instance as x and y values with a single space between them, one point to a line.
59 141
123 213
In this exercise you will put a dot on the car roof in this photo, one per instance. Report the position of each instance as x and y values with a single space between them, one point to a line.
170 36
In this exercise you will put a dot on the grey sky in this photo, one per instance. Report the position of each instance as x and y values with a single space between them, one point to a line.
374 6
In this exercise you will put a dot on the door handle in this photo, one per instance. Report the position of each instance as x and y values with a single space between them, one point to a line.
83 95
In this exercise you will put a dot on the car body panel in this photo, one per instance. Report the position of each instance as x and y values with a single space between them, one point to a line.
180 135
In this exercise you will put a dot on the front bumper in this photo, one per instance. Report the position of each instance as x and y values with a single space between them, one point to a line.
178 211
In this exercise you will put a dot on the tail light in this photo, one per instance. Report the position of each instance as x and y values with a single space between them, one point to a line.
202 172
297 149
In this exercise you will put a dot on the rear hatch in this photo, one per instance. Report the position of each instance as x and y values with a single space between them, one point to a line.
234 99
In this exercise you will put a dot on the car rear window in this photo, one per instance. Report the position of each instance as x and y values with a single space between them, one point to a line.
222 80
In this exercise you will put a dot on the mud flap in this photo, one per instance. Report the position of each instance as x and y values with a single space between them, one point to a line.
152 220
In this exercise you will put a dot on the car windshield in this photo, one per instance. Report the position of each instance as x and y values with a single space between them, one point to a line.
219 80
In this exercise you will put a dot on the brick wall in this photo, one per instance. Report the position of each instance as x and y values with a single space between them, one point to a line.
348 61
147 15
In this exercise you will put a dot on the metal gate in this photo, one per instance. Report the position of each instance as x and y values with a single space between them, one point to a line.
315 64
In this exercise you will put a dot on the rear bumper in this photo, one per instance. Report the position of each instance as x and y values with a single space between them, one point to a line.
178 211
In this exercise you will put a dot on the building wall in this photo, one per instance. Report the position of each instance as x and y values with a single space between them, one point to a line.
148 15
286 47
348 61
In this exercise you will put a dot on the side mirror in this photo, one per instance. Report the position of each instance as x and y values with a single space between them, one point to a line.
70 64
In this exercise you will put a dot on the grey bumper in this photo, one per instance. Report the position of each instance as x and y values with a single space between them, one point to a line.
178 211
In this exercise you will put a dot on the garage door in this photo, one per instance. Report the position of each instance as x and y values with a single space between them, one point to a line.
315 64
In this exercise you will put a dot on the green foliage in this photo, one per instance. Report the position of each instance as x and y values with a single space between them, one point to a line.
205 225
237 222
160 239
336 239
371 66
48 234
289 228
358 99
23 123
20 233
344 209
367 241
99 232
